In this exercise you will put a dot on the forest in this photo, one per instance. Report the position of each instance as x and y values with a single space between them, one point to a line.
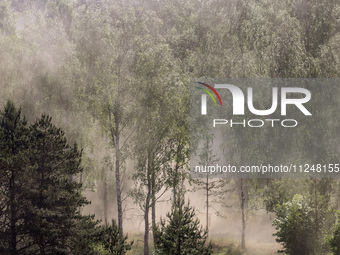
95 125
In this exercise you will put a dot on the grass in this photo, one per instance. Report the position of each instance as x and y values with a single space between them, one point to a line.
221 246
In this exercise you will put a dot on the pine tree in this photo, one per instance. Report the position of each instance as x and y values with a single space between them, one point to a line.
111 240
39 197
183 233
13 159
52 198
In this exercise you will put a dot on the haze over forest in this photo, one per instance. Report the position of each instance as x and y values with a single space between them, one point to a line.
115 76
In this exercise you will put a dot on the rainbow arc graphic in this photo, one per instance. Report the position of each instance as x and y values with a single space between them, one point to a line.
209 93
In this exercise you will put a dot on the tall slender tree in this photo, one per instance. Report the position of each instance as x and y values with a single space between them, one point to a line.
105 56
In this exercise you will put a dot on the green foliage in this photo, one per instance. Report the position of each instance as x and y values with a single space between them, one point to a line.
280 191
40 197
86 237
52 198
334 239
13 161
232 250
181 233
93 239
301 225
111 240
227 249
130 61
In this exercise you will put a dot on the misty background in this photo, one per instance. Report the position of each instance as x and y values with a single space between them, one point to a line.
120 70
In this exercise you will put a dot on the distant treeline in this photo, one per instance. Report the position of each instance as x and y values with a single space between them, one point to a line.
115 75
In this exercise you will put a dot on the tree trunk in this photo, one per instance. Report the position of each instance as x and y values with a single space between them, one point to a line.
81 182
147 207
118 188
179 243
13 248
207 204
243 211
105 197
40 204
42 245
176 179
153 205
146 230
146 219
175 184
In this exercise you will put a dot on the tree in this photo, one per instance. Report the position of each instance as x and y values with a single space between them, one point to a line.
181 234
51 196
334 239
40 197
111 240
13 172
210 187
87 238
161 141
301 224
105 55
